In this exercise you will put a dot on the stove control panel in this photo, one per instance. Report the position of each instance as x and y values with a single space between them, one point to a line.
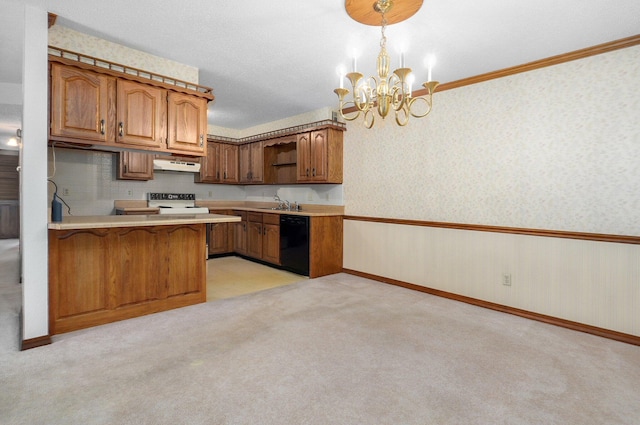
171 196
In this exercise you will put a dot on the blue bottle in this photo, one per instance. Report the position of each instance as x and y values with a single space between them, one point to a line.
56 209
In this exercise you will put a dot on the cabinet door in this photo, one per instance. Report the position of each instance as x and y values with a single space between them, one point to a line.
187 125
82 104
271 243
135 166
142 114
244 163
229 163
250 162
210 165
240 238
257 162
254 239
303 151
318 155
218 238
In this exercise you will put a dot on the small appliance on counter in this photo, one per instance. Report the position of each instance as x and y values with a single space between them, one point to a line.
175 203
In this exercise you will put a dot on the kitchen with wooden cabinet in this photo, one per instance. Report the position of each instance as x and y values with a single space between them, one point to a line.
141 121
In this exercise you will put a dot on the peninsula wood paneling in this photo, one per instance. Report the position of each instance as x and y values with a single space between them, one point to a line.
99 276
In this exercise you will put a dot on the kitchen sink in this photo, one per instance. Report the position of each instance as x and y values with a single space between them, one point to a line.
278 209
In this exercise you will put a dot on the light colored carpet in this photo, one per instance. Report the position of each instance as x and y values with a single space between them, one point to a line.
334 350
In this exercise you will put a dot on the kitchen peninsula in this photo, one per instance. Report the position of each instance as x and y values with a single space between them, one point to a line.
108 268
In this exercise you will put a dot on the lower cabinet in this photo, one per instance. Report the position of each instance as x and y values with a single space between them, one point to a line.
240 233
219 238
257 236
271 238
97 276
263 237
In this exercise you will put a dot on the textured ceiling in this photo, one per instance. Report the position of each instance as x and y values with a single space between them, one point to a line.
268 60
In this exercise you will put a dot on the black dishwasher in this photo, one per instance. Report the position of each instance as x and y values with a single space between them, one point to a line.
294 243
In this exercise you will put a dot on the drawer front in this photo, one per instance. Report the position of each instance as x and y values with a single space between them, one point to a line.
255 217
271 219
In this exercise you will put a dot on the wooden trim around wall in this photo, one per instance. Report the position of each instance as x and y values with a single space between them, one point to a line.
27 344
622 43
598 237
605 333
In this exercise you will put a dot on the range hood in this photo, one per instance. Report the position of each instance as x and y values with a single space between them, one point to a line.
174 165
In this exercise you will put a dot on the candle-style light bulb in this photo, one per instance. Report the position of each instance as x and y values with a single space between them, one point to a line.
430 61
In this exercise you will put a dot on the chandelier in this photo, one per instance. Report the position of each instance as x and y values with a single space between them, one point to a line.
386 92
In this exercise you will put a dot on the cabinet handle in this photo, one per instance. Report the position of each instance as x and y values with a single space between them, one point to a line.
225 175
218 175
314 172
121 129
201 140
264 231
307 172
101 126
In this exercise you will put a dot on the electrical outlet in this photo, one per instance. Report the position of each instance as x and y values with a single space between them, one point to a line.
210 194
129 192
65 191
506 279
309 196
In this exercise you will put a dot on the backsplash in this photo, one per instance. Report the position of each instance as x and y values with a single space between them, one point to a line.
87 182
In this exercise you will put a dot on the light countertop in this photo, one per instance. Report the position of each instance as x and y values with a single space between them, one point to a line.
108 221
140 207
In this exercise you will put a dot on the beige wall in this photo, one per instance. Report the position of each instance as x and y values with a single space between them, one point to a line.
556 148
68 39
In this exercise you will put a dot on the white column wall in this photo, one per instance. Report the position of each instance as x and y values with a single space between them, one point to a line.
33 177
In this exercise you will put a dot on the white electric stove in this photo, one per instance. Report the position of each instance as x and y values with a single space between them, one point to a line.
175 203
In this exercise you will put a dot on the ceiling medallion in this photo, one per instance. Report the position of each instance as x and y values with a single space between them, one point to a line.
386 92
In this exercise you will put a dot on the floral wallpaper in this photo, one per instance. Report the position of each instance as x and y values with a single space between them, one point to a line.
74 41
555 148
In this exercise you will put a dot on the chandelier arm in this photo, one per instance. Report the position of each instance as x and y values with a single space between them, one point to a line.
346 116
406 111
370 114
428 101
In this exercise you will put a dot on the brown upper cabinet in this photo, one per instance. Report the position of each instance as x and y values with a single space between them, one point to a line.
141 113
210 165
229 163
90 107
251 164
187 130
82 104
135 166
319 156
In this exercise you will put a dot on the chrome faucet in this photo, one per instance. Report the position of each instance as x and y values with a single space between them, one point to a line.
277 198
287 205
